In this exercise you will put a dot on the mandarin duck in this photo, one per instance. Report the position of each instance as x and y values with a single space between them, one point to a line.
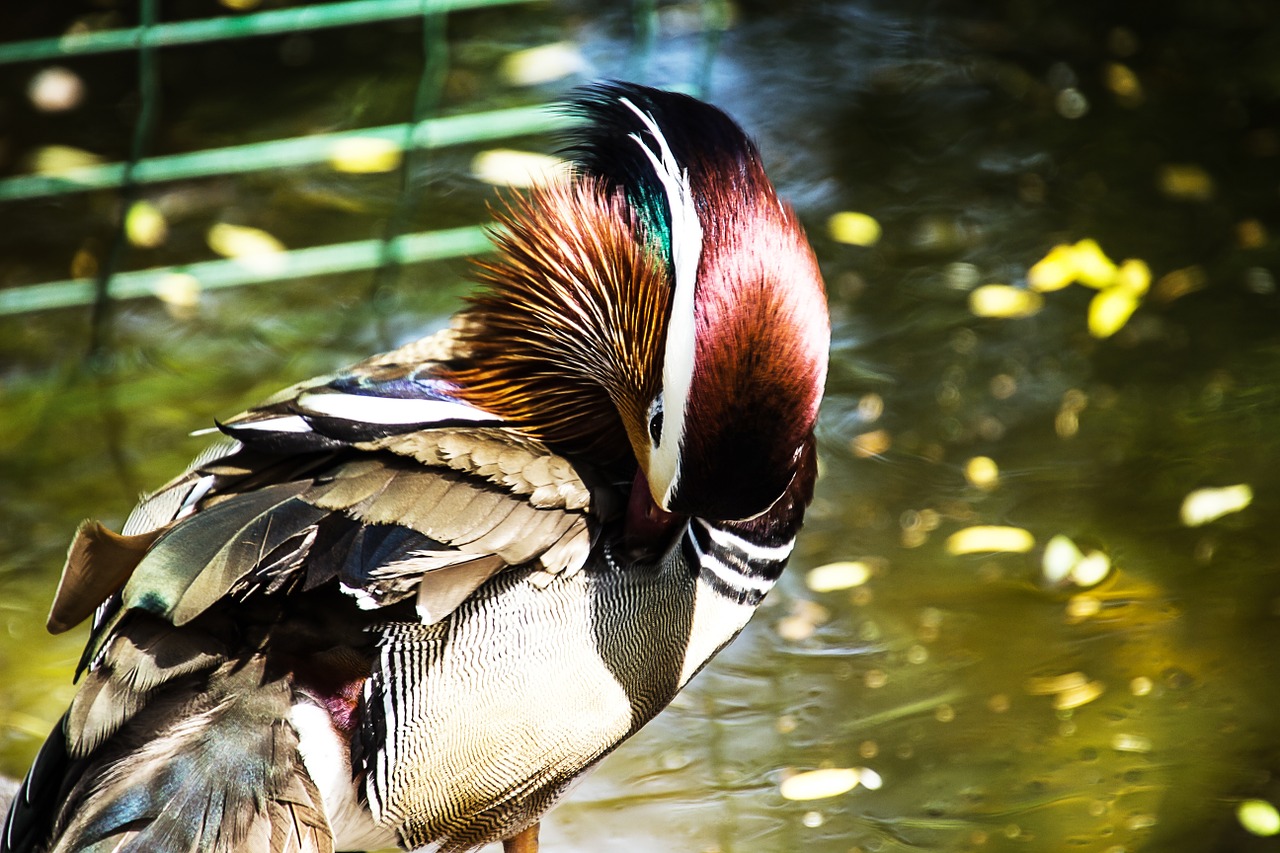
407 604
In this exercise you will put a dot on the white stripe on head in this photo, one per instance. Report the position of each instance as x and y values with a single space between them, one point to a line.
686 253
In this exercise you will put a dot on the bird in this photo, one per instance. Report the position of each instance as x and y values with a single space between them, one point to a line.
408 603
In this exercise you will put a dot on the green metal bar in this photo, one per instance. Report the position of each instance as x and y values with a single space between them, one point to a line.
426 103
239 26
143 133
285 153
233 272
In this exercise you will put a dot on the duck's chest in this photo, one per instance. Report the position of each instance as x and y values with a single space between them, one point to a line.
474 726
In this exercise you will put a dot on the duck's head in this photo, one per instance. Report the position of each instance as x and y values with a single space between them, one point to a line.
660 310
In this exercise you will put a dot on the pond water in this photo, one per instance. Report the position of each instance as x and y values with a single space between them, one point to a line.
1097 674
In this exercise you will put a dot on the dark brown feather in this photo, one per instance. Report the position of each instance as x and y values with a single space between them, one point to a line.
98 563
134 663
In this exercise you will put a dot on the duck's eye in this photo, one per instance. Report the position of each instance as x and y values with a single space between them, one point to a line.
655 420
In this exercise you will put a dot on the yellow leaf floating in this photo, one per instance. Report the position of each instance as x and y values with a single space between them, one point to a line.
1069 690
84 264
1185 181
505 167
1091 570
837 576
1251 234
1109 310
1121 288
1134 276
145 225
1061 555
1123 83
869 444
1063 562
58 159
820 784
1047 685
254 247
1054 271
1259 817
365 155
1178 283
546 63
1093 267
853 228
1001 300
983 472
1205 505
990 539
235 241
1130 743
179 290
803 620
1075 697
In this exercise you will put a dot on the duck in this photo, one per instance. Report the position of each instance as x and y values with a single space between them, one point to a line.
407 604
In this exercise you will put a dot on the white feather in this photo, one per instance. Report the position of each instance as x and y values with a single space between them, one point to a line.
686 254
391 410
284 423
328 762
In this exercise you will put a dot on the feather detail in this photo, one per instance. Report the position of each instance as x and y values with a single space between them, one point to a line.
98 563
566 342
235 736
449 587
388 394
458 511
134 664
201 561
505 458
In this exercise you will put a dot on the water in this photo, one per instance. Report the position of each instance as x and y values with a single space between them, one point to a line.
999 710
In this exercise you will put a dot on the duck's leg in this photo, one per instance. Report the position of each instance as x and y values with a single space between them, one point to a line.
525 842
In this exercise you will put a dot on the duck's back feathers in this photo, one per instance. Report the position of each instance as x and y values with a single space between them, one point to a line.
257 581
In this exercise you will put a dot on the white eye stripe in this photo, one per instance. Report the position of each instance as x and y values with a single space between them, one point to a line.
686 254
686 229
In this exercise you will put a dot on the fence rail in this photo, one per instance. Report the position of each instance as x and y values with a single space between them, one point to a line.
424 132
233 272
285 153
271 22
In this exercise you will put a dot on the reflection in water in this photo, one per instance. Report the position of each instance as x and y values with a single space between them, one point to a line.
1036 605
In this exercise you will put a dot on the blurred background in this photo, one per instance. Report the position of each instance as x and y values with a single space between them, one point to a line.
1036 605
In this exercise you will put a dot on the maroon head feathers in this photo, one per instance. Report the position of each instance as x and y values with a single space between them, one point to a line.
760 358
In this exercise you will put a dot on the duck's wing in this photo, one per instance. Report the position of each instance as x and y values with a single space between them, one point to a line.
371 495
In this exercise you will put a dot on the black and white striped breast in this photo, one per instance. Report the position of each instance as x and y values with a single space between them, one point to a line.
476 725
741 568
